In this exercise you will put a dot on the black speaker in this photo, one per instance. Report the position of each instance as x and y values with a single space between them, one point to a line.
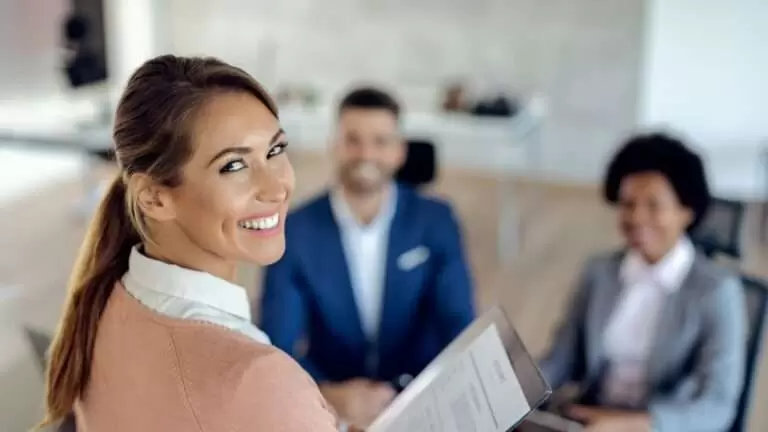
84 38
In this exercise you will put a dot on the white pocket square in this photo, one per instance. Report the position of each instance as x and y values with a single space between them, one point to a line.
412 258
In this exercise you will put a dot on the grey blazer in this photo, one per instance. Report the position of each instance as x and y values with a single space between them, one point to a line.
696 369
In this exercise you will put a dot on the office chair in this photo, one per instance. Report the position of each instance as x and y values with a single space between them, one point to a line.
764 223
40 343
756 292
720 231
420 167
764 210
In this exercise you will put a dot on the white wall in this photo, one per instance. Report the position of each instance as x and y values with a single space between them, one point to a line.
30 35
706 69
706 74
132 36
582 55
602 65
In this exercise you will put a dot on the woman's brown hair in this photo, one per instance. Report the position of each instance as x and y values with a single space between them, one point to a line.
151 137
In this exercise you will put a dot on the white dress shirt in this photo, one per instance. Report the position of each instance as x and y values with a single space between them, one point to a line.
188 294
631 330
365 250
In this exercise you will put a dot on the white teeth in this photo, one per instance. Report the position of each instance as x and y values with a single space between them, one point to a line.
261 223
367 171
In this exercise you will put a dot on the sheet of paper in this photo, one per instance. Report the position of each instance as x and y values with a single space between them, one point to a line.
477 391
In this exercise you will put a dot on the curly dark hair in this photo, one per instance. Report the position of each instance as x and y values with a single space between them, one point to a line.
668 156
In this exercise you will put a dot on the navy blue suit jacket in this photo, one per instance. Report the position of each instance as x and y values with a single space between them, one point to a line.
308 307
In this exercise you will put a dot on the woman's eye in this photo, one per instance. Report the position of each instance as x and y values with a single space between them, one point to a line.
277 150
233 166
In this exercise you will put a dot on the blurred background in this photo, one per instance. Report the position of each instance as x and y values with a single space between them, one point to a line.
523 101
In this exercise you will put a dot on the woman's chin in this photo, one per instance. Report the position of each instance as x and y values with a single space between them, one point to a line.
266 253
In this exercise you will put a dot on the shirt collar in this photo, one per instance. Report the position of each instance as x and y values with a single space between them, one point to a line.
192 285
346 218
669 272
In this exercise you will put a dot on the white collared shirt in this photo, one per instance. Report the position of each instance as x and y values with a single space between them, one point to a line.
188 294
631 331
365 250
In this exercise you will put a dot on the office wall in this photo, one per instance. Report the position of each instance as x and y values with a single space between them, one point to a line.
704 74
706 67
29 46
583 56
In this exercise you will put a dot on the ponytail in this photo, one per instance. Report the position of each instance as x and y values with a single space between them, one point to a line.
101 262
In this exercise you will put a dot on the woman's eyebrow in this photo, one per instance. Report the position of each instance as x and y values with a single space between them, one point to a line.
244 149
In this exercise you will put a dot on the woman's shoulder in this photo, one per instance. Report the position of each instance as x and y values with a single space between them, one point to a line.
704 273
708 276
603 262
235 382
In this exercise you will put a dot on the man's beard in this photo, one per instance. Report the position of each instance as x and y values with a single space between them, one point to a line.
364 177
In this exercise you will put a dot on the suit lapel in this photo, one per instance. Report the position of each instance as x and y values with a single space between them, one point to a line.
332 263
605 300
673 316
395 301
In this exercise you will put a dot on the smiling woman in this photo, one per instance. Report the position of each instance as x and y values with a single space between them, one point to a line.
155 336
654 334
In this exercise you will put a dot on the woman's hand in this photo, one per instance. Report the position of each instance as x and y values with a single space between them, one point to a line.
610 420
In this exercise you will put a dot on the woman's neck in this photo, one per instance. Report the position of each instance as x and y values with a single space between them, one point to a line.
187 255
653 258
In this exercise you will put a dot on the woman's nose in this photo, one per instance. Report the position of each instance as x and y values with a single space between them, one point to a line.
270 187
639 217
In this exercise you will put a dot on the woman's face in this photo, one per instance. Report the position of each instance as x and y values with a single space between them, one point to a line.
651 217
235 188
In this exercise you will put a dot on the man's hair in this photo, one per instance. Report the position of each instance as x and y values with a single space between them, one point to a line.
370 98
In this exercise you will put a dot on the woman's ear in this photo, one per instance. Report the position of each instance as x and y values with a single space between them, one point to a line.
154 200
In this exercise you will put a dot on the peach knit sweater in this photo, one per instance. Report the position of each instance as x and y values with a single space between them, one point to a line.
152 373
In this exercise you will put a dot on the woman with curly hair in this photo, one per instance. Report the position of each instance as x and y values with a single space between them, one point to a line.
654 336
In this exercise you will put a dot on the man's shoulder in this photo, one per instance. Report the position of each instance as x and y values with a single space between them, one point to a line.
308 211
313 204
433 206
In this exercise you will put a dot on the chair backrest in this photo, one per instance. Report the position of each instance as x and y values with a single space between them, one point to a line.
720 231
420 167
756 292
68 425
40 343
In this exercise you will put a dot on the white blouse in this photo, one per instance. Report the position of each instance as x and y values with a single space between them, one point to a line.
630 333
188 294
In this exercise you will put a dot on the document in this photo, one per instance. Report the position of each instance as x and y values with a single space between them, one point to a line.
471 387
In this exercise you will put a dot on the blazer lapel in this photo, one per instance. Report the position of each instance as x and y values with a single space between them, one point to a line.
604 302
341 306
395 300
672 318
